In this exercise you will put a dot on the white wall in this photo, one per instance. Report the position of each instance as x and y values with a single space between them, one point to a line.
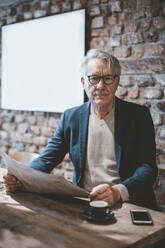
40 63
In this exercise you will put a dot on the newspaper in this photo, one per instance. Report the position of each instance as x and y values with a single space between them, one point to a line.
41 182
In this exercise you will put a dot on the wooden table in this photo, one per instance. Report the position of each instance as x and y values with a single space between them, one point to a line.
29 220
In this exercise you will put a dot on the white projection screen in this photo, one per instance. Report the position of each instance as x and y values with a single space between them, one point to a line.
40 63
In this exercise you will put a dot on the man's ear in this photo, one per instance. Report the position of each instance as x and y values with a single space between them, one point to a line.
117 81
82 81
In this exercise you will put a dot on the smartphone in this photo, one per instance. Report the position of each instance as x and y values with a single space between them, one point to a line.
141 217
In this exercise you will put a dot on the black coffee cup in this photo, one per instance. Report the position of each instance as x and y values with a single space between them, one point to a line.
98 208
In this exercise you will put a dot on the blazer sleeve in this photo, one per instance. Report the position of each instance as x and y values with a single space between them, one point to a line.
146 171
54 151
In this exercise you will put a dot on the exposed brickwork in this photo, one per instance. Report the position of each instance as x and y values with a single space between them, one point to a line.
55 9
152 93
100 33
113 19
157 50
132 38
133 31
121 92
131 26
144 65
94 11
134 93
126 81
138 51
97 22
157 118
122 52
144 81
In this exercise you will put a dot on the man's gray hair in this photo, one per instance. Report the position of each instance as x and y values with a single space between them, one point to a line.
96 53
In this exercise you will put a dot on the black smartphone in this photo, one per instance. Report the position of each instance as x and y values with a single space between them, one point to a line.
141 217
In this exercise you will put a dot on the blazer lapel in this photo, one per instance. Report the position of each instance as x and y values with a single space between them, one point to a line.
118 125
84 119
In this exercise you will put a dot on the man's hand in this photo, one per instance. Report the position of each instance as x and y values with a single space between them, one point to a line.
105 192
12 183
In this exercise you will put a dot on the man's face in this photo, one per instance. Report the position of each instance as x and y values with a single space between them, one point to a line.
100 94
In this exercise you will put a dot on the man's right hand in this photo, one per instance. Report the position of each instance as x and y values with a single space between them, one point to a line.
12 183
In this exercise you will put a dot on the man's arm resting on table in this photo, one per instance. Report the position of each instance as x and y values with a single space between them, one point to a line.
105 192
143 179
53 155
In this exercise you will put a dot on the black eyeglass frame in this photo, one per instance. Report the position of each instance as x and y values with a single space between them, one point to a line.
98 78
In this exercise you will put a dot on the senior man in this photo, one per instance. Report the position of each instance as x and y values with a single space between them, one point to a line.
111 142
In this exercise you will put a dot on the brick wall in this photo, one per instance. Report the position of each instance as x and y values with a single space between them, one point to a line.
133 31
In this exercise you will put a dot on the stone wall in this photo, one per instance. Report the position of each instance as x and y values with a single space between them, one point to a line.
133 31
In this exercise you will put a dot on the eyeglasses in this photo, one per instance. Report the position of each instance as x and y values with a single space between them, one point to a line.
107 79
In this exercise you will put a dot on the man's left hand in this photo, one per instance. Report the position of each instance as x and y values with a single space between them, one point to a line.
105 192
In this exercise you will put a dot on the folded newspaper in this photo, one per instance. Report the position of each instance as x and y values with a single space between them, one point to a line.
41 182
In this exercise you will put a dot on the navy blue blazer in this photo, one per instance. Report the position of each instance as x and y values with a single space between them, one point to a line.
134 148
